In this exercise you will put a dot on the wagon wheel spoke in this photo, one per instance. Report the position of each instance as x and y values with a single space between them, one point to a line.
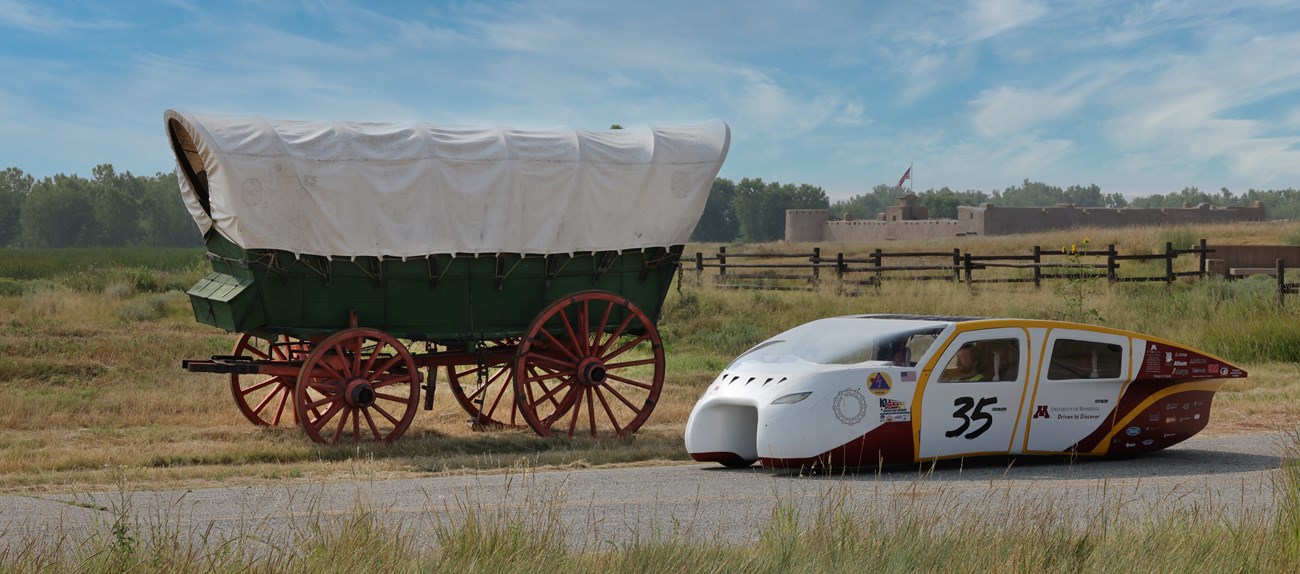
627 381
625 348
559 345
491 404
600 329
623 399
370 422
256 395
613 337
392 419
344 374
610 413
567 358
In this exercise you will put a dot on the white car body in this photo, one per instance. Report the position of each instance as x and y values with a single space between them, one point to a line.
841 392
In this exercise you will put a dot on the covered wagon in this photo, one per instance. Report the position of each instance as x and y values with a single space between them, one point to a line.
357 260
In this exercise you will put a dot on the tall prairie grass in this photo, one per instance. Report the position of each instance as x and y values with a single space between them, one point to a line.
833 532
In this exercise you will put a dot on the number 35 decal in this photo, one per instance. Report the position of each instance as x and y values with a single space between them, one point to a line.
968 411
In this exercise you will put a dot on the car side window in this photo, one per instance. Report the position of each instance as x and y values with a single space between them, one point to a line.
984 361
1073 359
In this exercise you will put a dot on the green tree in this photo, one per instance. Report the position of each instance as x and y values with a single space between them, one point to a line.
116 202
164 219
718 223
942 203
867 205
14 187
760 207
57 213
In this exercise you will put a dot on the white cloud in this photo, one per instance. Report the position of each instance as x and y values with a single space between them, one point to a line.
993 17
1008 110
1210 105
36 18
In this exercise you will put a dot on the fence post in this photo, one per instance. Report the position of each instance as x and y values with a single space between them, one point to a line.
1111 274
817 261
699 268
1204 257
1281 283
956 265
967 266
722 261
839 271
876 259
1038 270
1169 263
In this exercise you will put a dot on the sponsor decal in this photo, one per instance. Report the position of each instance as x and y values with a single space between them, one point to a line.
1196 416
1155 418
1171 420
1101 401
1212 367
1223 371
850 406
1133 431
1180 372
1148 442
1129 445
878 383
1169 357
892 411
1068 413
907 376
1171 406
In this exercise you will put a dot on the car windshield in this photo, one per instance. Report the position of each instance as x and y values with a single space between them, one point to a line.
846 341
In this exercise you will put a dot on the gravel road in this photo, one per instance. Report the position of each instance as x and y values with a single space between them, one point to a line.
1230 476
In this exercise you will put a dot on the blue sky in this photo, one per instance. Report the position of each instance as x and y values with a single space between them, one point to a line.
1136 97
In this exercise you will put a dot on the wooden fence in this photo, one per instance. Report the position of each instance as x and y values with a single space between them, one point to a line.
806 271
774 270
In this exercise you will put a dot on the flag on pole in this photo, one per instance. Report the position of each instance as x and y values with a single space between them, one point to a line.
906 176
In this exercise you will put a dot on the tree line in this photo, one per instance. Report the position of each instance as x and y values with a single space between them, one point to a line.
122 209
754 211
109 209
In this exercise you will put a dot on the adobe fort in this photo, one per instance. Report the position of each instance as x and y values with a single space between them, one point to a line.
907 220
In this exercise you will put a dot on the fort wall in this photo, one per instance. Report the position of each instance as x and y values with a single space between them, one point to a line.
814 225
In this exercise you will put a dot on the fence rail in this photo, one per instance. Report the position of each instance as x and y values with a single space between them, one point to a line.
808 270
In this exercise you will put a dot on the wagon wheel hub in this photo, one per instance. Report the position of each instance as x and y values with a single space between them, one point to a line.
359 394
591 371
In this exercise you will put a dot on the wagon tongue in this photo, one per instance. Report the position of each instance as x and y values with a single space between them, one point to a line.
1164 361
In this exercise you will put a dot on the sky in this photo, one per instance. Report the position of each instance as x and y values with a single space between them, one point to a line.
1137 97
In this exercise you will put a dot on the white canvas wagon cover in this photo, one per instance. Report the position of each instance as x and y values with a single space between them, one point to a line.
415 189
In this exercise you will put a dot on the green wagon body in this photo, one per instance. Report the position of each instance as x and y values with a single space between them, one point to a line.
442 298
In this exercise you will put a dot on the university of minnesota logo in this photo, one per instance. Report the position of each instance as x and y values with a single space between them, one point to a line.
1041 412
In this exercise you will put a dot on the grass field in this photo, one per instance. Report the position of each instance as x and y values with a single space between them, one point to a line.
91 342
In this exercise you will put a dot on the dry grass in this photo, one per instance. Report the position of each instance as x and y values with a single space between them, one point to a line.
92 385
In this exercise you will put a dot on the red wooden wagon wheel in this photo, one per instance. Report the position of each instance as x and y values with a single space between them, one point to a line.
491 405
590 362
359 383
265 400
